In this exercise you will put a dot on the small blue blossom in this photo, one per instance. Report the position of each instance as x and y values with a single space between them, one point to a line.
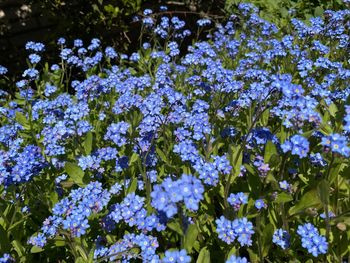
116 132
236 200
259 204
3 70
34 58
240 229
297 144
172 256
281 238
35 46
235 259
337 143
284 185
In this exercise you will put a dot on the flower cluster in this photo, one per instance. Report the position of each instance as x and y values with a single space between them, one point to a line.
72 212
6 258
144 152
235 259
132 212
240 229
176 256
312 240
20 166
187 189
281 238
298 145
122 249
236 200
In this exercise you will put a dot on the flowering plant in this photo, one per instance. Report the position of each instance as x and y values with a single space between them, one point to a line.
234 150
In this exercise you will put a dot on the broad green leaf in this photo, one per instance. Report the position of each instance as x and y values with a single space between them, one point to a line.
235 157
133 186
323 192
176 227
270 149
88 143
80 260
265 118
253 255
309 199
133 158
36 249
75 173
283 198
318 11
21 119
233 251
190 237
162 155
267 238
204 256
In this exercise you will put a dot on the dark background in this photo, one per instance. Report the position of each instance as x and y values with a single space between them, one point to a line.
111 21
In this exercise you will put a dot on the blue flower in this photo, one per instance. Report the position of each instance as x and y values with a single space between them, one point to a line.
34 58
259 204
312 240
3 70
6 258
240 229
204 22
338 143
187 189
116 131
35 46
236 200
235 259
176 256
281 238
297 144
284 185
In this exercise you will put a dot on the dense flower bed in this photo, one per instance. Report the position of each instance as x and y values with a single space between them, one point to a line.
235 151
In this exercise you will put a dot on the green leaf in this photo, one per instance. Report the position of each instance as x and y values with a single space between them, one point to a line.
332 108
21 119
176 227
80 260
265 118
133 158
233 251
309 199
235 157
270 149
88 143
283 198
318 11
162 155
4 241
267 238
82 253
190 237
75 173
204 256
36 249
18 247
323 192
133 186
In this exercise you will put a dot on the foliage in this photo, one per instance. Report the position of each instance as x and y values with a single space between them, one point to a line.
235 151
280 11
